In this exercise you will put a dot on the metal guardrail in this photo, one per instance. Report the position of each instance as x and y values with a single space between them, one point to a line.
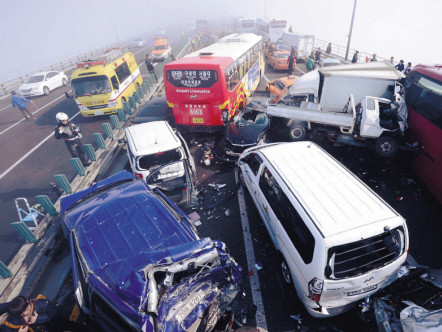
33 258
12 80
339 51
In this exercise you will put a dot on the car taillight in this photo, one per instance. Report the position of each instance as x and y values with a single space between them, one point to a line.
138 175
315 289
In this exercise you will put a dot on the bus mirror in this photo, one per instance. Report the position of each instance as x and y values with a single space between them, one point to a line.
225 115
115 86
69 94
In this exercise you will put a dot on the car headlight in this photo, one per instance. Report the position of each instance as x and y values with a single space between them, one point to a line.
113 103
83 108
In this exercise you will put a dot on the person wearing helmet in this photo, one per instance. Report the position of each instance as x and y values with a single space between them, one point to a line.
71 134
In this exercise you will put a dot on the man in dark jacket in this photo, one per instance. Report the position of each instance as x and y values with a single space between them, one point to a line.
400 66
34 315
290 66
71 134
150 66
355 57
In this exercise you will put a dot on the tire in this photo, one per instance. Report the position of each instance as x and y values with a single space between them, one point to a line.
285 271
46 90
297 133
386 146
64 82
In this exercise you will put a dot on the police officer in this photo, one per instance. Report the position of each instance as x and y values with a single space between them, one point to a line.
72 137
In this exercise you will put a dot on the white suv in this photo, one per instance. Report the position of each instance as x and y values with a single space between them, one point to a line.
159 155
338 241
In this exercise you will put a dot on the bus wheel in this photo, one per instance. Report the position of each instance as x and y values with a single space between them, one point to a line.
386 146
297 132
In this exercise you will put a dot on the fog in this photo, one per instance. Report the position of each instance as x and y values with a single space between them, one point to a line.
37 32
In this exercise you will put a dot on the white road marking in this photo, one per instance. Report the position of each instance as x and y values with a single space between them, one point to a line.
29 152
36 111
300 70
250 254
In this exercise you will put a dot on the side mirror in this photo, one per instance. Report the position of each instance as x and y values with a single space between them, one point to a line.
69 94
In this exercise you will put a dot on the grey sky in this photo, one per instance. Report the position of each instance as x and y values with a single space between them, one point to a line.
34 31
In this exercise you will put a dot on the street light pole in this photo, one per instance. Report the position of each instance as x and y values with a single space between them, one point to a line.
351 28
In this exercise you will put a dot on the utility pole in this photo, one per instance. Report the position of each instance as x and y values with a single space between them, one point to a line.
351 28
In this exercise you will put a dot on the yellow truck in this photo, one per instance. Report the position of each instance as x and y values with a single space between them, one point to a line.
101 86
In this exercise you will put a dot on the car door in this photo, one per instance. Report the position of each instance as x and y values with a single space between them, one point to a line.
49 81
187 151
174 180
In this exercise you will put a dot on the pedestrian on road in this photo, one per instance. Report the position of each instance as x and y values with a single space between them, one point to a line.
35 315
71 134
20 102
355 57
328 50
150 66
407 69
400 66
290 67
374 58
318 55
310 64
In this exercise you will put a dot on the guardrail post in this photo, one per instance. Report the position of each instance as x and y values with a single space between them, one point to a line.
140 92
78 166
127 107
63 183
121 115
90 152
108 130
136 96
47 205
24 231
4 271
115 121
99 140
132 102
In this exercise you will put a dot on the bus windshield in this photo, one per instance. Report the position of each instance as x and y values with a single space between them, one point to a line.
192 78
90 86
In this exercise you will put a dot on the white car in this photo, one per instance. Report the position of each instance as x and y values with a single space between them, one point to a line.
330 62
138 42
43 83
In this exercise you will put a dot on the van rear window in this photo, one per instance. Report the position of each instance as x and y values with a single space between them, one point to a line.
360 257
192 78
154 160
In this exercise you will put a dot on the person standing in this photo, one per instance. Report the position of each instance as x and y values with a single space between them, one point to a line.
374 58
407 69
150 67
318 55
329 48
392 61
355 57
290 61
20 102
400 66
71 134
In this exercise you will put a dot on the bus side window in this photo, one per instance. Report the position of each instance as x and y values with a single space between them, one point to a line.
115 84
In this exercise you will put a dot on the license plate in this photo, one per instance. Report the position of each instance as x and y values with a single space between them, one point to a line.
197 120
362 290
99 112
189 306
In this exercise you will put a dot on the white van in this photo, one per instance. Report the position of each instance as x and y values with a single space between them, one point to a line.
338 240
159 155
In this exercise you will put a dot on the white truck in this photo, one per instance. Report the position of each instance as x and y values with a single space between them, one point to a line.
303 44
374 122
315 103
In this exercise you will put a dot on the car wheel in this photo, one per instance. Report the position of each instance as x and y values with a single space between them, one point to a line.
46 90
285 271
64 82
297 133
386 146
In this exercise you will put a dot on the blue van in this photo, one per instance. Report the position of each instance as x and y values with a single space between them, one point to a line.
139 264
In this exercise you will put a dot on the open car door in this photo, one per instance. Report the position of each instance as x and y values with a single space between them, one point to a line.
174 180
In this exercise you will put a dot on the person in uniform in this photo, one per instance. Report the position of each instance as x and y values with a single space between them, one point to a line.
71 134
